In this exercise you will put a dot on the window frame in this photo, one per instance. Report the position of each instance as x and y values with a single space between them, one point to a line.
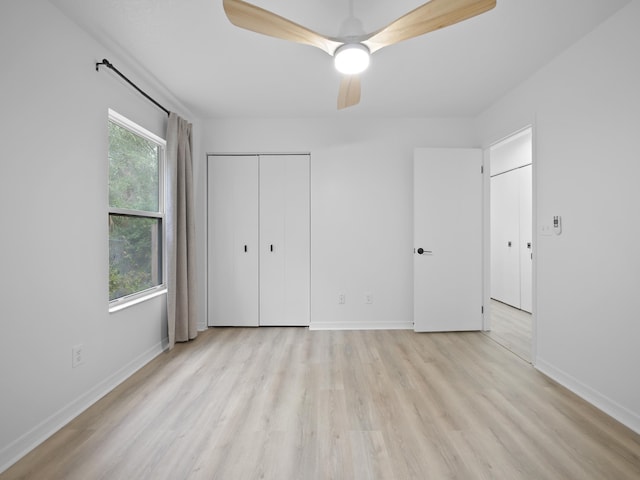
148 293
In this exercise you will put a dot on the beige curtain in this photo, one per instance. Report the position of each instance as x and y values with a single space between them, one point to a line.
181 249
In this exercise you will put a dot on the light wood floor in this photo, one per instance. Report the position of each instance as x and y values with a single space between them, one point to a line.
511 328
289 403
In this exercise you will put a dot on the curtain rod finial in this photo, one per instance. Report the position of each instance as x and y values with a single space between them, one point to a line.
104 62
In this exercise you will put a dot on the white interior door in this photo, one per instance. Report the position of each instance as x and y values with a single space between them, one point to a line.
285 240
447 239
526 239
232 240
505 237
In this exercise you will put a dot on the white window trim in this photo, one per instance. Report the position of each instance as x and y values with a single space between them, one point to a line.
136 298
144 295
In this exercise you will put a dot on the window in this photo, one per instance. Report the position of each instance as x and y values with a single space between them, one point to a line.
136 211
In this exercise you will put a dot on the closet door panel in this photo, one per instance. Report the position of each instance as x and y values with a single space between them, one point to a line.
505 238
285 240
233 240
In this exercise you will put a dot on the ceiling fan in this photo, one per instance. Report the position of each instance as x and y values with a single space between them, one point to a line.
351 52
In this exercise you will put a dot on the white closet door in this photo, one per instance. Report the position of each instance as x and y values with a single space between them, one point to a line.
505 238
284 239
233 240
526 239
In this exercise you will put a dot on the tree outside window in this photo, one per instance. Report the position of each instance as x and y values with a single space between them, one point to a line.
136 209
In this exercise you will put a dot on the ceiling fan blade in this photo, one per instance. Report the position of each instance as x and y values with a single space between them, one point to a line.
349 93
251 17
427 18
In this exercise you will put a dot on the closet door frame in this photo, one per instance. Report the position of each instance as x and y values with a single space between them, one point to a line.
297 307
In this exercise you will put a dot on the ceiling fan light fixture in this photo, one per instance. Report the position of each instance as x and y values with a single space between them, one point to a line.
351 58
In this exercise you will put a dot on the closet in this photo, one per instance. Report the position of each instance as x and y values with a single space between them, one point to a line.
511 222
258 240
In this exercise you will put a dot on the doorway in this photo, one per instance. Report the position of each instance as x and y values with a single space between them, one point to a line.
511 243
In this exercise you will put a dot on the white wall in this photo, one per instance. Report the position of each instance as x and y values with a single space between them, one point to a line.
361 205
585 106
54 243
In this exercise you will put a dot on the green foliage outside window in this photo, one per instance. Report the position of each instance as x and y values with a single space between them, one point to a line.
133 170
135 228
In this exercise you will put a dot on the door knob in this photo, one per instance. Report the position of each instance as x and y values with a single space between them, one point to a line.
422 251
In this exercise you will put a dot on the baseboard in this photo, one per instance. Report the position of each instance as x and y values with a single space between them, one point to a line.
602 402
30 440
361 326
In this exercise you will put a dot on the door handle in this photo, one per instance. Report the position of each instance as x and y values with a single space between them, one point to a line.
422 251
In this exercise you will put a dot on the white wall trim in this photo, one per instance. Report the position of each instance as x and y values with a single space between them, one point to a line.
600 401
361 326
41 432
486 240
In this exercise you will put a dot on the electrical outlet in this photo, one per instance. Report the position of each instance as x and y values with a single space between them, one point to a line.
368 298
77 355
342 299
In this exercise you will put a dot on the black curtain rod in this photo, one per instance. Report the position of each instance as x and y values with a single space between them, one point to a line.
108 64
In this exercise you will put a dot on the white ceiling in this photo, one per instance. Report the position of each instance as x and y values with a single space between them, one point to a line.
219 70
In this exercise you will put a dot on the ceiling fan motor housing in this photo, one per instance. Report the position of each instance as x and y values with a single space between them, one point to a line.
351 58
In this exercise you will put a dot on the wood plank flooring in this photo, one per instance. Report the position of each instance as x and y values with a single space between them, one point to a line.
511 328
289 403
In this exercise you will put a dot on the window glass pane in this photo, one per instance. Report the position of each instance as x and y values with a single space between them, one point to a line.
133 170
134 254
